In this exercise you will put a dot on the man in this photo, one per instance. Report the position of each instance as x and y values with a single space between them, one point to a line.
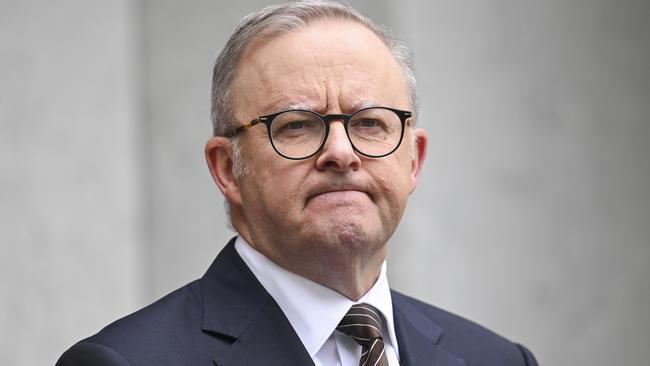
316 152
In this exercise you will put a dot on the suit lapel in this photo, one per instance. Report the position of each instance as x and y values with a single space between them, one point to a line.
270 340
237 308
418 336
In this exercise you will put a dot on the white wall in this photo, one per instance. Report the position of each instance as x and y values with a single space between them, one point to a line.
532 215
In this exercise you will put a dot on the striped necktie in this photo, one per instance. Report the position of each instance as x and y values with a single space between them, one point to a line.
363 324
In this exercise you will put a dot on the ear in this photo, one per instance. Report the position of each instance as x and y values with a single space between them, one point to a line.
421 140
218 155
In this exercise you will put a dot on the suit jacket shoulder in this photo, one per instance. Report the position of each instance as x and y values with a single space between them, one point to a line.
462 341
167 332
225 318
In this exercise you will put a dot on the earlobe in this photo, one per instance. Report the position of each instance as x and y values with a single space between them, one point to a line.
421 140
218 155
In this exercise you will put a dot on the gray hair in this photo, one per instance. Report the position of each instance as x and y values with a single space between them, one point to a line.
279 19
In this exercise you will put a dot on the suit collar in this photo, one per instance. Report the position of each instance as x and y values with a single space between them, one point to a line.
236 306
313 309
418 336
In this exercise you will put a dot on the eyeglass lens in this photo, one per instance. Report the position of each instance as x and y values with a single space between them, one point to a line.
372 131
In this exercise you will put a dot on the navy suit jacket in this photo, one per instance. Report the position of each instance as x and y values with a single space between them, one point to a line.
227 318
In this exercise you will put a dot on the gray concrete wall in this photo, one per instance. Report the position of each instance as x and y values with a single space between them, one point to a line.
70 229
532 215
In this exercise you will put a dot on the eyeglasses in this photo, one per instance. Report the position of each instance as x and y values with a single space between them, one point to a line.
299 134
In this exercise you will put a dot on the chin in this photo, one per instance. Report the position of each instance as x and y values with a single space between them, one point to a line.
344 234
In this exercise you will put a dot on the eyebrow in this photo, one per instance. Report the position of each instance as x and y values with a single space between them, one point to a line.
303 106
362 104
356 106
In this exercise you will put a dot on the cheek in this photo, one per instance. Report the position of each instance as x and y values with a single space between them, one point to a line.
277 188
393 184
257 188
394 187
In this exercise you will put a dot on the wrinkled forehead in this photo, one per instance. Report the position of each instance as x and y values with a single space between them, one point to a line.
326 64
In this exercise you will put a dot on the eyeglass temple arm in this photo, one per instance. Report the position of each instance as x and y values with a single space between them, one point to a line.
240 129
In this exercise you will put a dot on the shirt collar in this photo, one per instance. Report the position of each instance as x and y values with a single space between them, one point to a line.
313 310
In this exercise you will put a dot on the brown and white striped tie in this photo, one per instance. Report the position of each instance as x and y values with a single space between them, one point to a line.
363 324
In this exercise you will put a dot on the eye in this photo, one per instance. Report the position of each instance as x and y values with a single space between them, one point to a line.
295 125
298 125
368 122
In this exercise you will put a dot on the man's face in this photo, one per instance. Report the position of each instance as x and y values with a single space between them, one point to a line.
336 203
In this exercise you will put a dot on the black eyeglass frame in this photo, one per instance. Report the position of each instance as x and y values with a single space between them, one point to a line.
327 118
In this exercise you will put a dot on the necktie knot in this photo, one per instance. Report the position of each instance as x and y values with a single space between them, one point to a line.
363 323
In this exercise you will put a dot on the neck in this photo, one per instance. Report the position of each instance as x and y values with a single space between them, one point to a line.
352 277
348 268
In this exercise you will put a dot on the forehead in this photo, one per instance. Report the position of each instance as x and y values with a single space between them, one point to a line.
330 65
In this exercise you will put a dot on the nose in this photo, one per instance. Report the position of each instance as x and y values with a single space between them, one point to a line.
337 153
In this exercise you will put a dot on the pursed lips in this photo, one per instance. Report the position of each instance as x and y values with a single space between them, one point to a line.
337 193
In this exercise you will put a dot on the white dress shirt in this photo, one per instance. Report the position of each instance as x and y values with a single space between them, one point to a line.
314 310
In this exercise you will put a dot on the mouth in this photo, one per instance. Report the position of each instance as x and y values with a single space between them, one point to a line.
342 193
339 194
